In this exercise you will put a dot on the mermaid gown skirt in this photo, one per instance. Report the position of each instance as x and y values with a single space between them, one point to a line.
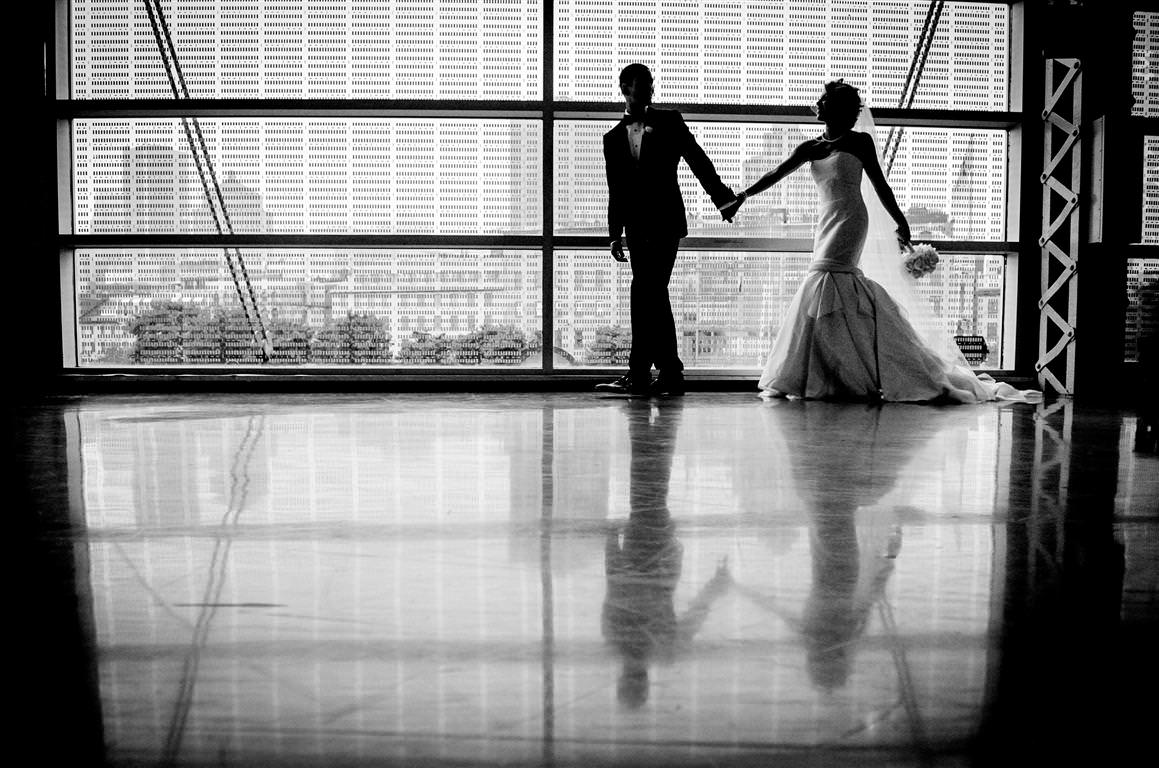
843 336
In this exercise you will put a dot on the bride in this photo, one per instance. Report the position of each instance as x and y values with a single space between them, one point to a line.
845 336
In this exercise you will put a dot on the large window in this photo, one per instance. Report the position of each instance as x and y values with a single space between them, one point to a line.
420 183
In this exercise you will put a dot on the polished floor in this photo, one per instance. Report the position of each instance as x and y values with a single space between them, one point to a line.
559 579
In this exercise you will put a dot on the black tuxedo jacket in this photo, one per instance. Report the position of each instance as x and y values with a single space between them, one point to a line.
644 197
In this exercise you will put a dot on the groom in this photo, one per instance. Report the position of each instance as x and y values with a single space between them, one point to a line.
641 155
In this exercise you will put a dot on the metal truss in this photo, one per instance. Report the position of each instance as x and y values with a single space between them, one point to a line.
1061 186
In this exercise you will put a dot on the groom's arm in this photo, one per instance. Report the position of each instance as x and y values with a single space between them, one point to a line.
701 166
615 193
696 614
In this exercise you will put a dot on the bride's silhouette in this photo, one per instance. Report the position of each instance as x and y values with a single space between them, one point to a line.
849 580
845 336
643 558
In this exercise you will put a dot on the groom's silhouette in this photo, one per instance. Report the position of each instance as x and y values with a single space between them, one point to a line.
641 156
643 559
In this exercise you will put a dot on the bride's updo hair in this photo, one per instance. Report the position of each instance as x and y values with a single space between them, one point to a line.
841 103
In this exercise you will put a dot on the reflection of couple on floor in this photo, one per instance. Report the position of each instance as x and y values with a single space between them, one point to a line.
857 328
852 557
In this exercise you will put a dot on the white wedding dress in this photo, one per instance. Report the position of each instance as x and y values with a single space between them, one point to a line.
845 337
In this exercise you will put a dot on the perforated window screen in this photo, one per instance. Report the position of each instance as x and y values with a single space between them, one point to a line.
782 51
332 175
950 182
337 49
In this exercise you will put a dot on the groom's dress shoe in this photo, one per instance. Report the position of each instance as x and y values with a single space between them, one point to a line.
669 384
626 385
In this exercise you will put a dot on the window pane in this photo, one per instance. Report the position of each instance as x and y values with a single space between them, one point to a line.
388 176
950 182
783 51
1145 65
1151 189
331 49
1142 305
319 307
729 305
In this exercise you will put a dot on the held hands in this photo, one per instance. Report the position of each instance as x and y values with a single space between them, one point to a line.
721 579
618 250
729 211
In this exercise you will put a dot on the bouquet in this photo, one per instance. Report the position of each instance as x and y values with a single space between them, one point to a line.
922 259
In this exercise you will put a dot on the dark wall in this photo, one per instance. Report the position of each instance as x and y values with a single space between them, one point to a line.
33 356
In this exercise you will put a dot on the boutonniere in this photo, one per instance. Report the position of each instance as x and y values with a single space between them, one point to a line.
648 128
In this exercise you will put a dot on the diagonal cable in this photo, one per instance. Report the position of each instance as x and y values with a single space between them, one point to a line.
207 175
913 77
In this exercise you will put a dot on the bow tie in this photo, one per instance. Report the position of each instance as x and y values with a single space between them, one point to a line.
630 119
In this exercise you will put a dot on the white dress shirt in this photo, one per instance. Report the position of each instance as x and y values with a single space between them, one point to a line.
635 134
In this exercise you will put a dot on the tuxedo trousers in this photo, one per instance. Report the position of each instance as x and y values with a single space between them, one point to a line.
653 327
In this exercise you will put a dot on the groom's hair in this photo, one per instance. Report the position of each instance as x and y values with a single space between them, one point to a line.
635 71
841 101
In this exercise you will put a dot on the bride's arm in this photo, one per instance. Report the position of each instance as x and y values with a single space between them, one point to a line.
794 161
867 153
